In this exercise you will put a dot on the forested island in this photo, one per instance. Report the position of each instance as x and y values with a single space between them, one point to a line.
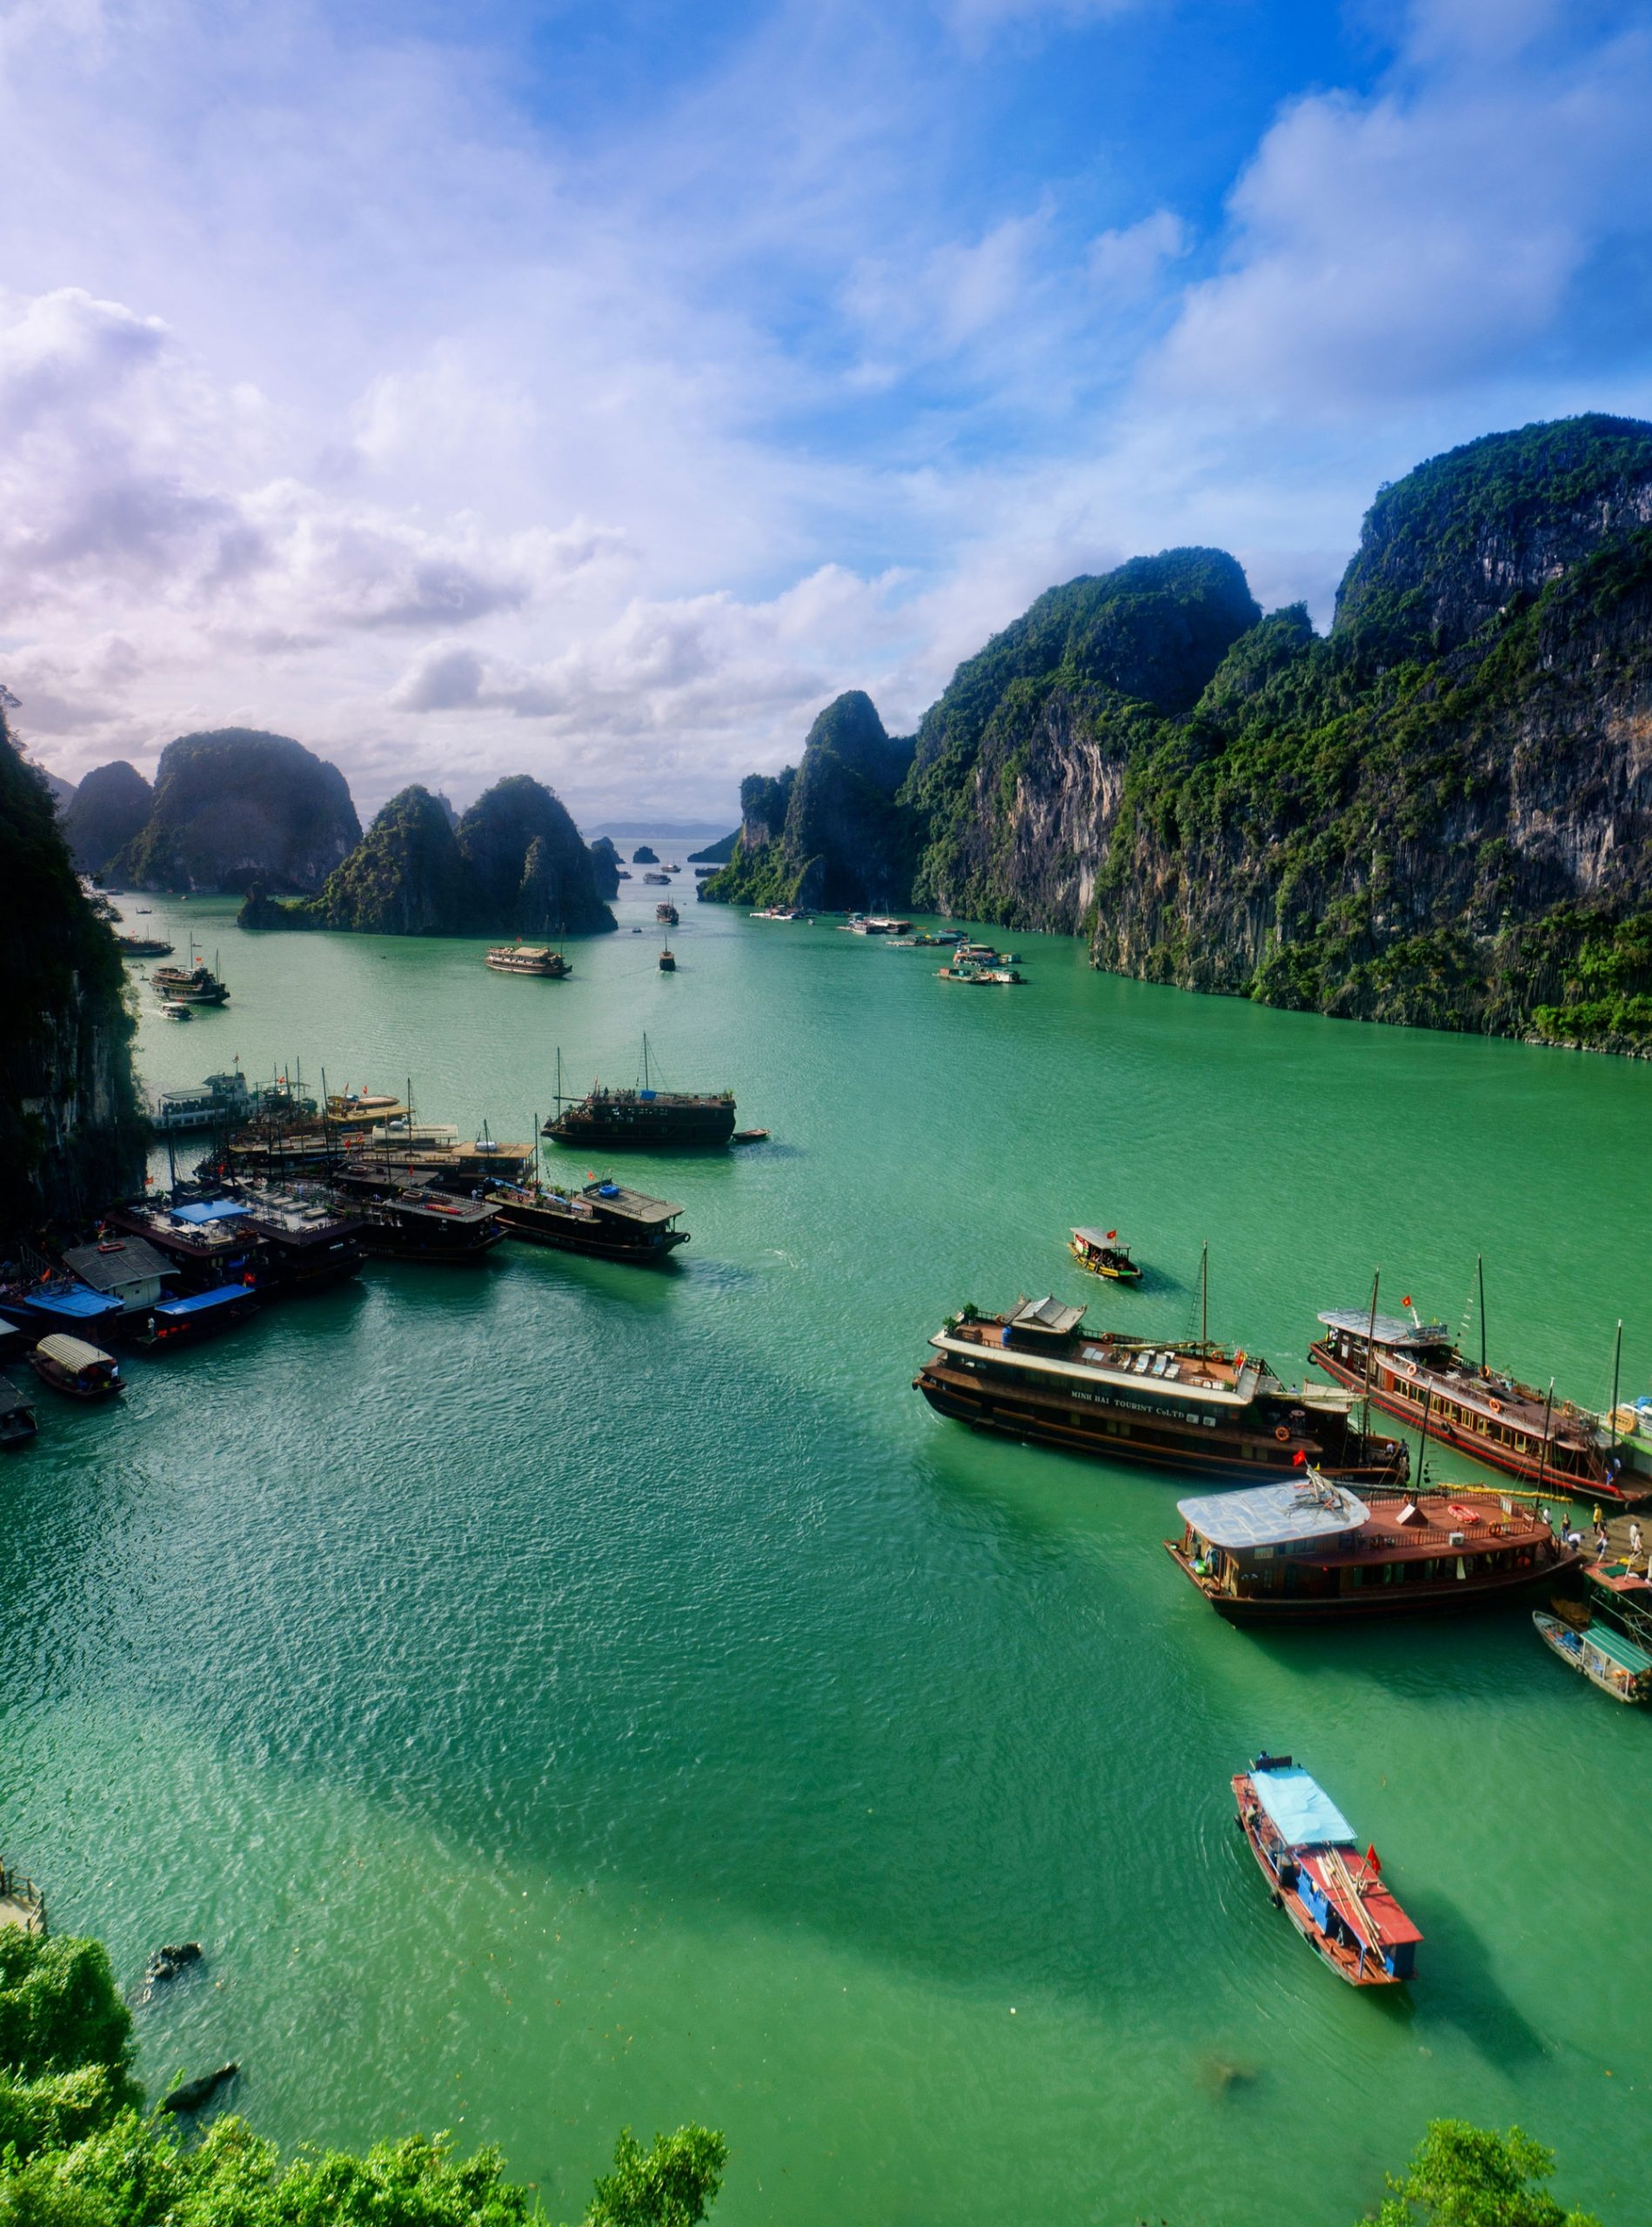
1440 812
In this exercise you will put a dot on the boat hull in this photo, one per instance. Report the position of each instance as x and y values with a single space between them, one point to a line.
1355 1972
1042 1420
107 1387
1458 1597
1561 1640
531 1225
1558 1473
640 1130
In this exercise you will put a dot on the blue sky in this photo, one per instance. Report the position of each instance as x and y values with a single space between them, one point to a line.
595 390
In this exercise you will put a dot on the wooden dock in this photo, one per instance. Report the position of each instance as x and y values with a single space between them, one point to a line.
21 1903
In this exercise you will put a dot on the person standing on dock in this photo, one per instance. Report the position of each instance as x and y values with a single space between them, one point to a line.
1602 1544
1636 1549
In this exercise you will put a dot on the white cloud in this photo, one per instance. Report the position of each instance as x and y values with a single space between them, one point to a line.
1126 263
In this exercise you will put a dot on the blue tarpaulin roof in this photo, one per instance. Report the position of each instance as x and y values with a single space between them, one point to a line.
199 1301
1300 1807
78 1305
209 1210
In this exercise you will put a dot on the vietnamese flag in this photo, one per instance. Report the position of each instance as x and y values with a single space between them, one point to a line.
1371 1862
1112 1233
1406 1301
1297 1460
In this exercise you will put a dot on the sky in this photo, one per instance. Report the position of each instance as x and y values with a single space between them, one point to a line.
595 389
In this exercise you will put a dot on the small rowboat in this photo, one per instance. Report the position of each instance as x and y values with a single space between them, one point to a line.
749 1137
1337 1900
1101 1252
1617 1665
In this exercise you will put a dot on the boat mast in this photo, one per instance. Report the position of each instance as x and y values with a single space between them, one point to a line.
1422 1436
645 1059
1617 1356
1370 1354
1204 1293
1542 1443
1480 1270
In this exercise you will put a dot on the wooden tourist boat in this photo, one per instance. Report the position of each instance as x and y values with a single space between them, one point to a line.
194 985
668 961
430 1226
1417 1374
642 1118
80 1371
665 913
529 959
175 1009
1337 1899
1102 1253
1605 1657
602 1218
306 1241
660 880
192 1315
18 1423
1316 1552
1035 1374
205 1238
145 947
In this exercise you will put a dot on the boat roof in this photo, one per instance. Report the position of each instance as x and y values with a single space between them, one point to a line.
1618 1649
201 1303
73 1352
1274 1515
1390 1330
111 1268
204 1210
1302 1811
1049 1315
1101 1237
636 1205
78 1305
11 1398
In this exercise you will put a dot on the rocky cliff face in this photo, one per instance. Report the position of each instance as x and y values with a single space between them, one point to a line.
236 807
71 1130
604 867
1442 814
1020 764
108 809
830 834
514 866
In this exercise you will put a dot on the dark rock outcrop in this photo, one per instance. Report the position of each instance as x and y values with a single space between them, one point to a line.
604 866
515 865
108 809
642 856
717 854
830 833
72 1134
236 807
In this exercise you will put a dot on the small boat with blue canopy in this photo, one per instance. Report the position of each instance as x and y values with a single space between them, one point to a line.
1337 1899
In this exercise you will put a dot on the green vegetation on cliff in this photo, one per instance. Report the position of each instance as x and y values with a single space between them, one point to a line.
515 865
237 807
829 832
108 811
71 1130
77 2152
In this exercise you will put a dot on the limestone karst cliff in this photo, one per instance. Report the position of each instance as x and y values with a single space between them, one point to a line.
71 1130
514 866
829 832
108 809
237 807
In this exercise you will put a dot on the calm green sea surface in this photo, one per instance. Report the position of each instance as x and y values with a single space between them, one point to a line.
562 1695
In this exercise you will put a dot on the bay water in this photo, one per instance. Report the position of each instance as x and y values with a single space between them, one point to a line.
562 1697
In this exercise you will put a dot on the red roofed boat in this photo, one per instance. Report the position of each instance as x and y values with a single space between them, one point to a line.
1337 1899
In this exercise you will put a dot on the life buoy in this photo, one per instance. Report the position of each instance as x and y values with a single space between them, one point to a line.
1496 1406
1411 1369
1282 1436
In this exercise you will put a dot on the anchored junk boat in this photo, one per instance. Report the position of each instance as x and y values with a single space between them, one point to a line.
1034 1373
529 959
603 1218
1414 1370
1315 1553
1337 1900
642 1118
194 985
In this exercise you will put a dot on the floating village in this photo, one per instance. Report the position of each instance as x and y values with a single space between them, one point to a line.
1312 1499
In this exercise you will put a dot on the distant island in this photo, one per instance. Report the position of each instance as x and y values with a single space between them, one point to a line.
1439 813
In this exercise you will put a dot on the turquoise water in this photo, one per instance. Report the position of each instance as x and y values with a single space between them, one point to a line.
562 1696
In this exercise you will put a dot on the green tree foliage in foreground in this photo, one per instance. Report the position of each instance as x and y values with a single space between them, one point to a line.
1465 2176
76 2151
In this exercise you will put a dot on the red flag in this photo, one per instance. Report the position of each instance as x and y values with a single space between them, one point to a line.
1406 1301
1297 1460
1371 1864
1112 1233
